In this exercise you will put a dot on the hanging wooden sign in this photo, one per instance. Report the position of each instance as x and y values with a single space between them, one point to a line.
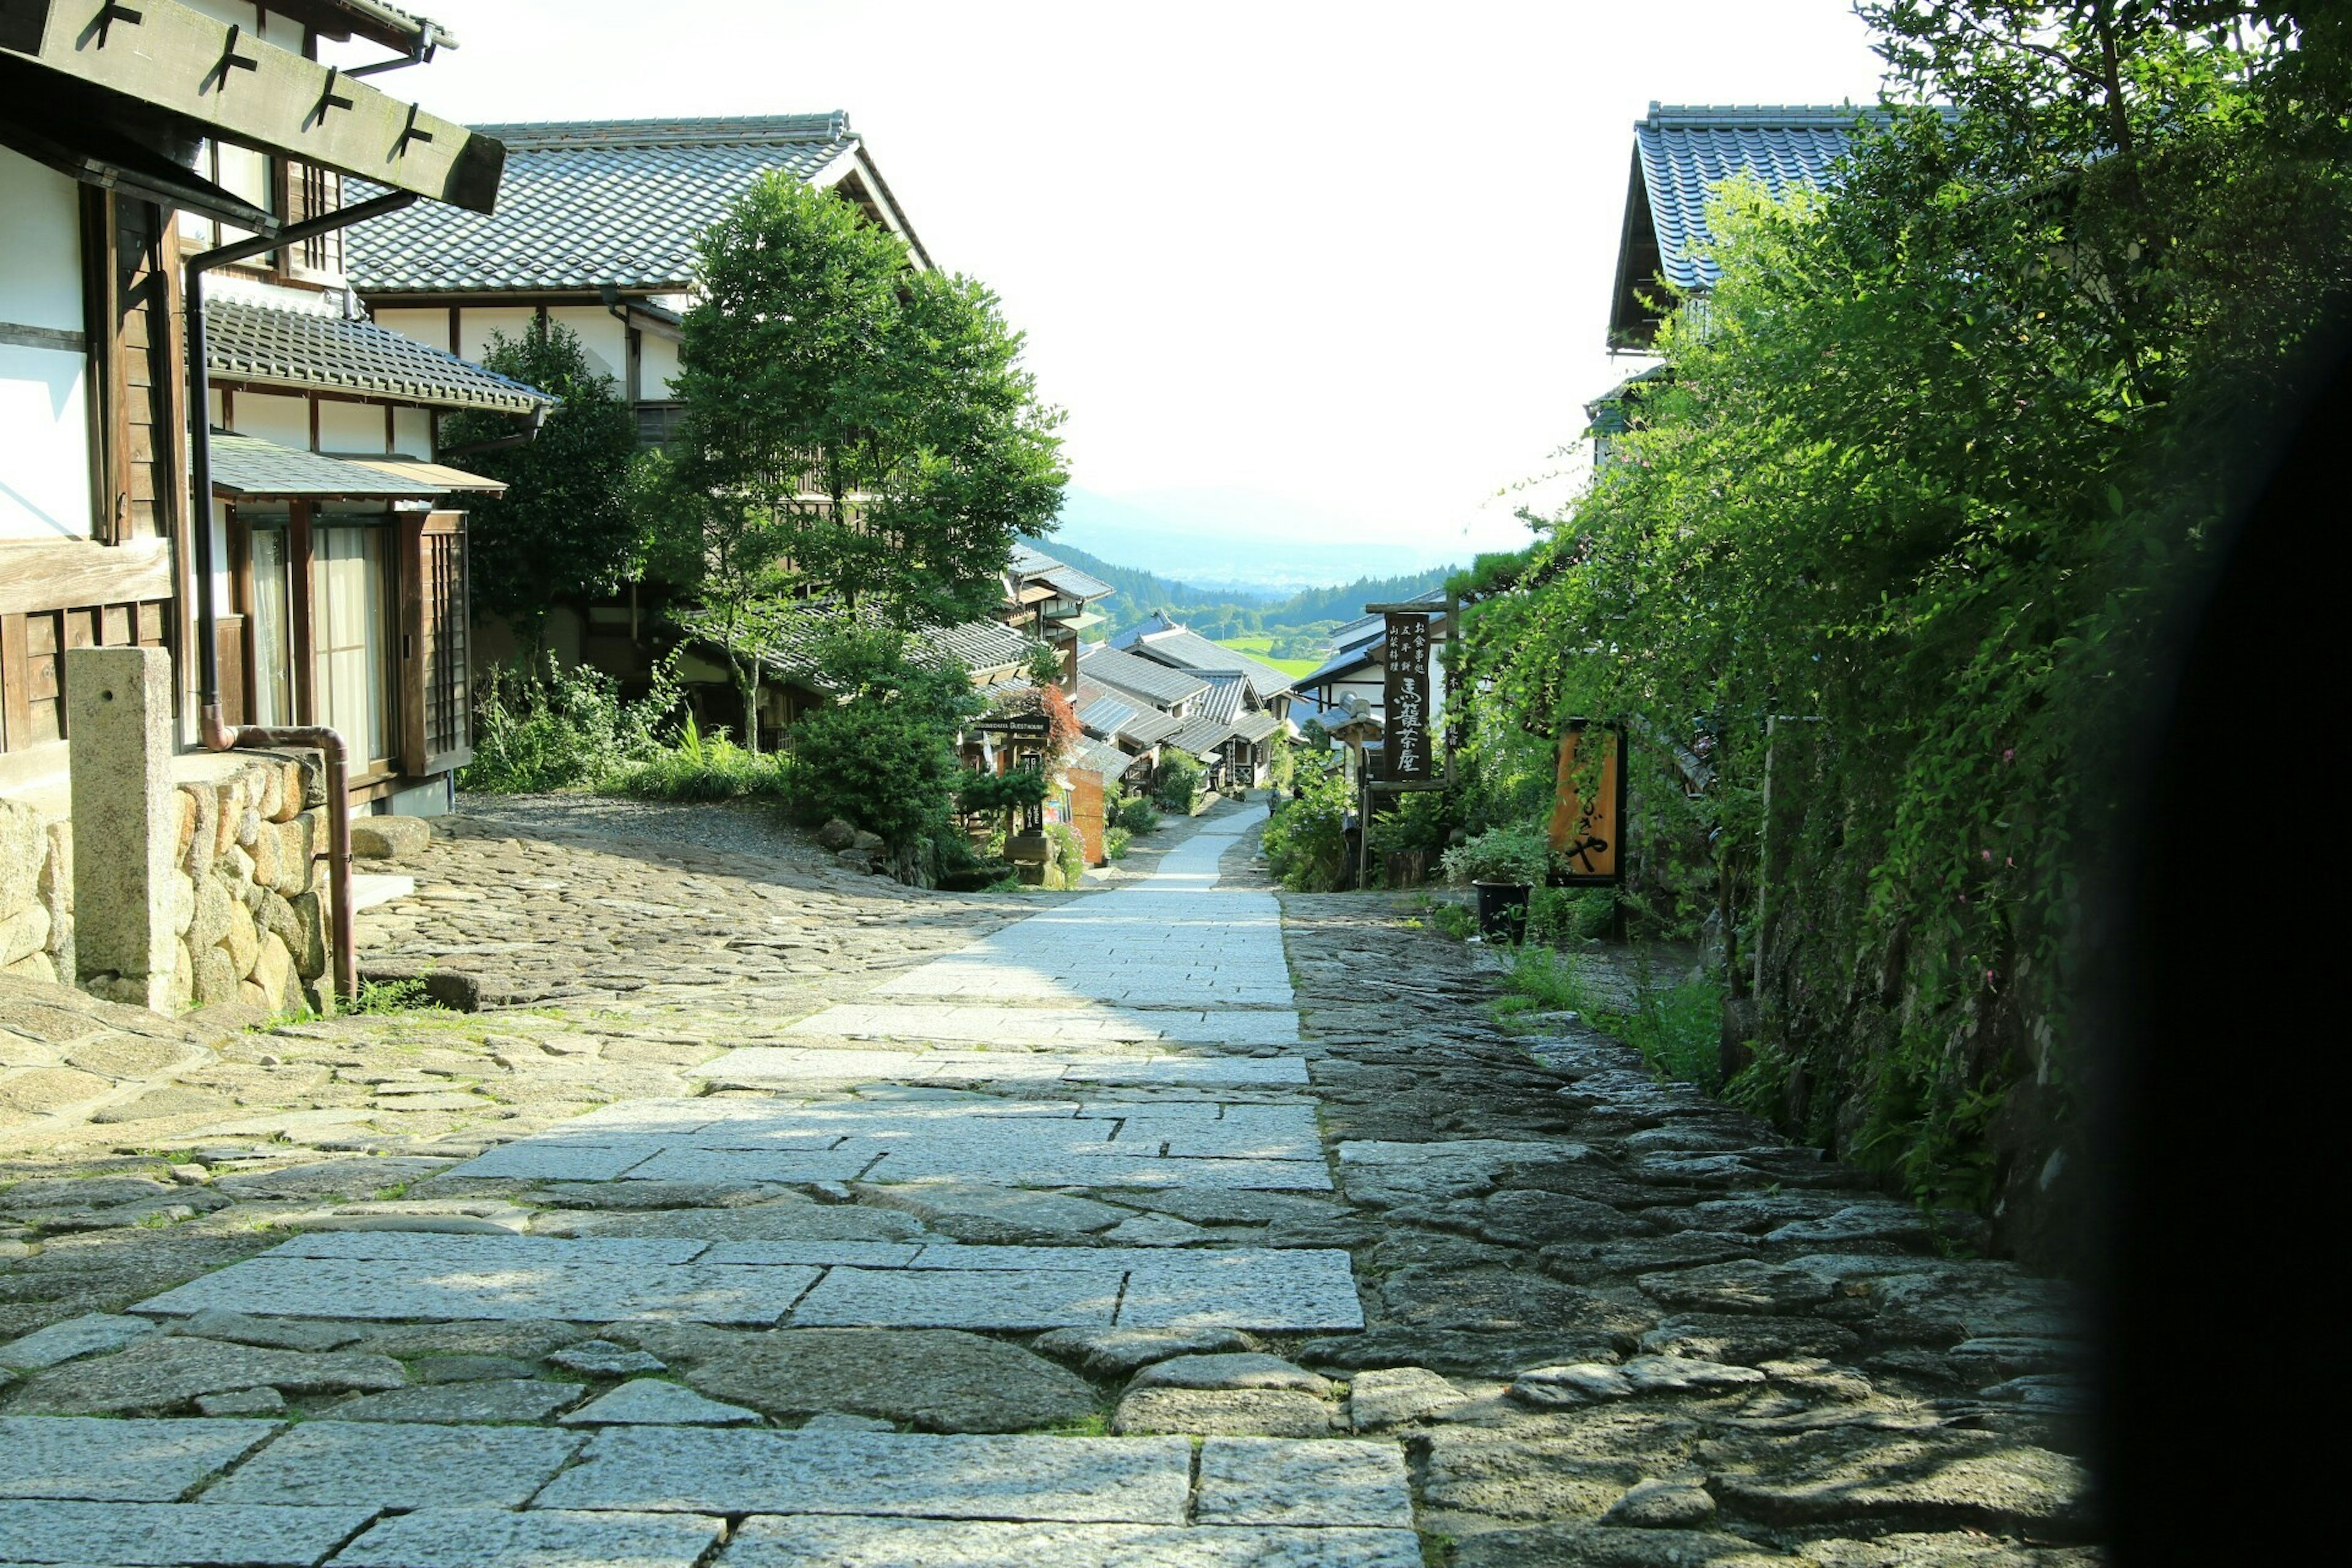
1587 835
1404 697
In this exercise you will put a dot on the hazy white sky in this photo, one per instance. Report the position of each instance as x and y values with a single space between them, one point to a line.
1353 257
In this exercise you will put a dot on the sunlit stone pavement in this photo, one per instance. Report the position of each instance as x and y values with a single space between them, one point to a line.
1178 1224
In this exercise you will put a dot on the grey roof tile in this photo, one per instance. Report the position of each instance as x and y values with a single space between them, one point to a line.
1155 683
1686 150
795 647
1073 584
1098 756
1200 736
1187 650
249 466
249 342
586 203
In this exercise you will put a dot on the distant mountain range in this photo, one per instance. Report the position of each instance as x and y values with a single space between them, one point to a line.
1230 544
1226 612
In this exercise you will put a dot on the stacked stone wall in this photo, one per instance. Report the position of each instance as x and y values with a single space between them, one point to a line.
249 903
36 895
247 898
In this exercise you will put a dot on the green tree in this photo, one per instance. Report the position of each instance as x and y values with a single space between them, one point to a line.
565 525
852 428
565 528
883 756
1930 474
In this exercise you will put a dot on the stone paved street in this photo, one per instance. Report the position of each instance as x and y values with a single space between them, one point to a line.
785 1217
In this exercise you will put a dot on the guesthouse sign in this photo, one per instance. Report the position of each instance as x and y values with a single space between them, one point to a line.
1588 816
1405 699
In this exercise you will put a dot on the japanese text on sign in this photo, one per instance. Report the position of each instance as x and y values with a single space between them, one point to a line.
1404 695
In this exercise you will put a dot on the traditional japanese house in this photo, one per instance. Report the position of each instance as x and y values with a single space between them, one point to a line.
1053 603
1250 700
1680 152
177 150
595 232
1349 687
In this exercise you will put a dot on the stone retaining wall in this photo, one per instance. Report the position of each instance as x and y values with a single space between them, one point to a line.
36 895
248 898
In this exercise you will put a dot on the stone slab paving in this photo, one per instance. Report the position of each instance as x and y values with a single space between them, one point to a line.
1609 1320
406 1276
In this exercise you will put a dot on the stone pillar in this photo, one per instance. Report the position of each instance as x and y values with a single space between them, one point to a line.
126 818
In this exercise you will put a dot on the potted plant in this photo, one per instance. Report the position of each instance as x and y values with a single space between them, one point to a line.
1504 864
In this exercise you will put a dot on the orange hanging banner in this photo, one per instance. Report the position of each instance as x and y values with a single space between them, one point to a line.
1587 835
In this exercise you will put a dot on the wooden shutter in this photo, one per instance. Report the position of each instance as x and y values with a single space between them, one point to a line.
312 192
436 685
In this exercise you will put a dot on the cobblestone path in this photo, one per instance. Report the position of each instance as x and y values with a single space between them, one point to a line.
1150 1229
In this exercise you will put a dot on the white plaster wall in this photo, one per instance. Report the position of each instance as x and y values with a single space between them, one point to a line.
657 365
475 323
427 326
412 432
43 444
351 427
603 339
44 394
285 420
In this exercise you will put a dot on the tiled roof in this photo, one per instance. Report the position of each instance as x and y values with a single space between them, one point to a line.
1223 700
1105 714
249 466
248 342
1155 683
1147 728
1027 560
1096 756
1200 736
981 645
795 646
586 203
1073 584
1189 650
1255 727
1686 150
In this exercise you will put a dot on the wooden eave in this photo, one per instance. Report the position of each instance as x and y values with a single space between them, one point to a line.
1630 324
95 59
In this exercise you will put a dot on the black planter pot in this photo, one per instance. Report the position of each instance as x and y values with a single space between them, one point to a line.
1503 911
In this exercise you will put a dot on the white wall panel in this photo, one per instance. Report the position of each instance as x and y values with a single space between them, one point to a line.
285 420
603 339
412 432
40 246
430 326
43 444
354 427
476 323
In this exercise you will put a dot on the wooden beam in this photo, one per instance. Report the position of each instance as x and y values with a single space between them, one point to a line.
173 56
67 574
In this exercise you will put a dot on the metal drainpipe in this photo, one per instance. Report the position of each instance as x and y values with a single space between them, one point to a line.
216 735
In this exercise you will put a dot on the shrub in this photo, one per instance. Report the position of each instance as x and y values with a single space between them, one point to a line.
1678 1028
1519 855
884 758
1307 841
566 728
696 768
1069 852
1177 785
878 765
1137 816
1454 922
1556 916
977 792
1116 840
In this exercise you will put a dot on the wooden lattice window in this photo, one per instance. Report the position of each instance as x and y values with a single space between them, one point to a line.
436 687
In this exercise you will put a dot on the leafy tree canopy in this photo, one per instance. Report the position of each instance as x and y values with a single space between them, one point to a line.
566 528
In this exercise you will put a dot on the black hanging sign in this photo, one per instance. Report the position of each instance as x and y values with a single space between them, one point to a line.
1405 700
